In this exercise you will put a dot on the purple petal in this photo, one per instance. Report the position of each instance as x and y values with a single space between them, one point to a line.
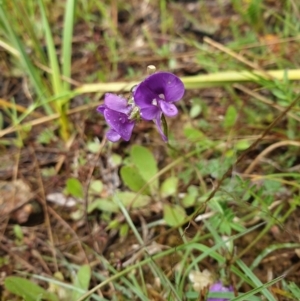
174 88
120 123
116 103
149 113
168 109
112 135
126 130
143 96
157 121
164 83
219 288
101 109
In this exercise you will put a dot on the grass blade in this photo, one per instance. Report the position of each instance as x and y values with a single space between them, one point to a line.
67 41
17 45
255 280
198 81
55 76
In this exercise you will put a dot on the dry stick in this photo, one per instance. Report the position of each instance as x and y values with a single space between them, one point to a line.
64 223
88 181
16 168
63 157
45 207
18 108
35 253
236 56
46 119
27 91
18 258
295 9
268 150
50 71
270 43
264 100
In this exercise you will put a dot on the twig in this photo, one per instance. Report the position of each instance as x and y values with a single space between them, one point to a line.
267 151
45 207
18 108
237 56
63 157
18 258
87 184
264 100
65 224
45 119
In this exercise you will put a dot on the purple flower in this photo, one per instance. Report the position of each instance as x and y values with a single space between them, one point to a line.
219 288
156 95
116 111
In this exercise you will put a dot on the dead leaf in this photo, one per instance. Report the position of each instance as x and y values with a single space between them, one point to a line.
14 198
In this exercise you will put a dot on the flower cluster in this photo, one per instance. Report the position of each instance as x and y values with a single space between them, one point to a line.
151 100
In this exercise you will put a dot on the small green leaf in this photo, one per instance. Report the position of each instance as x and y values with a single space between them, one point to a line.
124 230
188 200
145 163
169 187
74 188
230 117
27 290
96 187
237 227
173 214
93 147
114 224
116 160
127 197
103 205
26 128
195 110
279 94
132 179
215 204
18 232
242 144
271 186
192 134
46 136
77 214
82 281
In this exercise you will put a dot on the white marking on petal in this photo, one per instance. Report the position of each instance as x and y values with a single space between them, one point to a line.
154 102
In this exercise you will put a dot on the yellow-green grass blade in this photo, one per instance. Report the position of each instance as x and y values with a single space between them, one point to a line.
199 81
53 61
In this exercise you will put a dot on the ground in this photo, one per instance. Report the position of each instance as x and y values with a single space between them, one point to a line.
246 149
